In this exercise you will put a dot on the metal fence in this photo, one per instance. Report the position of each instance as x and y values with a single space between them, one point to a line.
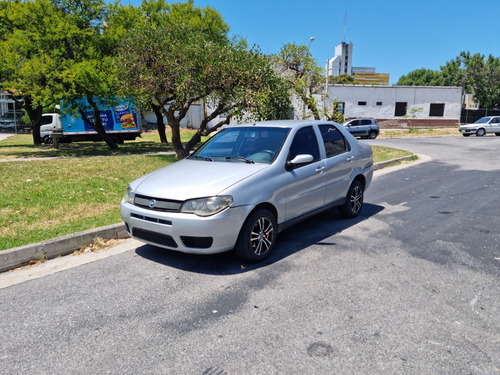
469 116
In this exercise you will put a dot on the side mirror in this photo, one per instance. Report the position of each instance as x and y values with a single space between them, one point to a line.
299 160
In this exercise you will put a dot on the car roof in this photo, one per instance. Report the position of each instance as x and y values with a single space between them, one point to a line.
285 123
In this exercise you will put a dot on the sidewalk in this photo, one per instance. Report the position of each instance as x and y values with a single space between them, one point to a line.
49 249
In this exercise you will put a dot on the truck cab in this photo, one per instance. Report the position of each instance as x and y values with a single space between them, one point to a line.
50 122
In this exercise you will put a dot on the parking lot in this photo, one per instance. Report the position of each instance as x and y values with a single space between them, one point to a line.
410 286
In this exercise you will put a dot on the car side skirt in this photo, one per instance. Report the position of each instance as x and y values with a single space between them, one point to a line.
289 223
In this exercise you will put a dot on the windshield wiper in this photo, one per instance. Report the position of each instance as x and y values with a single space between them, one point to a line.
206 158
248 161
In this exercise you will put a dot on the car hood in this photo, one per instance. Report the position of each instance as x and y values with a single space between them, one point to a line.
188 179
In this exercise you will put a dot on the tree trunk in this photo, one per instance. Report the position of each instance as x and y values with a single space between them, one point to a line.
174 124
35 115
159 123
97 124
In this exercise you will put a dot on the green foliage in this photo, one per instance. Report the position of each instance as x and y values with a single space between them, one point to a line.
477 75
305 78
197 62
343 79
421 77
333 113
412 114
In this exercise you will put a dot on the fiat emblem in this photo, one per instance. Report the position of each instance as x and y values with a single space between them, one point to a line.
152 203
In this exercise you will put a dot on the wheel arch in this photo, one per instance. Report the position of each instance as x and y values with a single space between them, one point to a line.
361 179
265 205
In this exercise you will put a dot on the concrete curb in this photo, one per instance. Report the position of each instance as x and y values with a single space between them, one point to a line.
20 256
385 164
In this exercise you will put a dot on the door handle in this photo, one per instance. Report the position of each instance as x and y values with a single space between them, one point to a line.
350 159
320 170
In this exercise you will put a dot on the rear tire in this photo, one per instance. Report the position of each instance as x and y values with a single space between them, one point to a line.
257 236
353 201
372 135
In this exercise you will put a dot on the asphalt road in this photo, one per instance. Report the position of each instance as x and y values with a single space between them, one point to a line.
409 287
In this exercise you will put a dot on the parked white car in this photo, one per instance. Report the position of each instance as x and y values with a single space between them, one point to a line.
482 126
246 184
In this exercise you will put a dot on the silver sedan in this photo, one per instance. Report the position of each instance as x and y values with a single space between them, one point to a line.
246 184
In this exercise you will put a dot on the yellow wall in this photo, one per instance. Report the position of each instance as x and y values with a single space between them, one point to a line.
372 78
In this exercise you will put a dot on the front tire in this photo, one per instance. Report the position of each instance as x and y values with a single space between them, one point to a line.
353 201
480 132
257 236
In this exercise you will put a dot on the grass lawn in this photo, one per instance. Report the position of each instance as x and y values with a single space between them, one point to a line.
47 198
418 132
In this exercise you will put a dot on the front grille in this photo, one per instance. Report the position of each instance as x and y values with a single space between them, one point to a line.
157 238
151 219
157 204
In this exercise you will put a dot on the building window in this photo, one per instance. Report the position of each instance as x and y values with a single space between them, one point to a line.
339 107
361 103
436 110
379 103
400 109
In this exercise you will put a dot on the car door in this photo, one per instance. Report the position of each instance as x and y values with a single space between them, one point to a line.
495 124
305 184
365 127
339 163
355 127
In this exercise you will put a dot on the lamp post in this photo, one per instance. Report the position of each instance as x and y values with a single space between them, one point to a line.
310 41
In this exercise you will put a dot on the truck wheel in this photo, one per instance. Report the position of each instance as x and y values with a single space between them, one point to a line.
257 237
47 140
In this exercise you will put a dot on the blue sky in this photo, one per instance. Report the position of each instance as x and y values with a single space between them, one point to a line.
394 36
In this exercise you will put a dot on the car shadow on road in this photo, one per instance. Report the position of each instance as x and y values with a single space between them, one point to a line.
314 230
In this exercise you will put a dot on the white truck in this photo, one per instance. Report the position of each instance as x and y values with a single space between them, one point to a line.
121 122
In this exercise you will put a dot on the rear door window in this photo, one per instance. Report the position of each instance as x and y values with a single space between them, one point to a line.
335 143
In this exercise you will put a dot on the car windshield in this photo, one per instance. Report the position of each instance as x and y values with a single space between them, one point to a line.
483 120
243 144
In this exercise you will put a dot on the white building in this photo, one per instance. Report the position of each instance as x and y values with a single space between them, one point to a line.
341 63
423 105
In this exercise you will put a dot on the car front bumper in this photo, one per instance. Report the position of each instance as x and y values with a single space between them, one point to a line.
187 233
468 130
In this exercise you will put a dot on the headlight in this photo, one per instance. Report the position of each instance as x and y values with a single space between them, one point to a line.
207 206
129 196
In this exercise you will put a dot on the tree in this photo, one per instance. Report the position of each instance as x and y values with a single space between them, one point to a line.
61 49
304 76
421 77
30 56
343 79
195 66
478 76
89 76
158 14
